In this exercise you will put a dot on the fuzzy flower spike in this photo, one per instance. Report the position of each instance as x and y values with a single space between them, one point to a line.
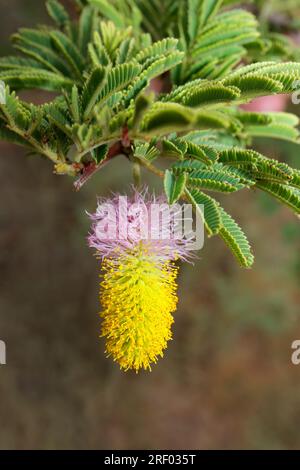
138 242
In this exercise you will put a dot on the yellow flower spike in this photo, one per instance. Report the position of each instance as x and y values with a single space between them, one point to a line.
138 297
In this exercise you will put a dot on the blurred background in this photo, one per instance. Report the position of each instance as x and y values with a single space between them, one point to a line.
226 380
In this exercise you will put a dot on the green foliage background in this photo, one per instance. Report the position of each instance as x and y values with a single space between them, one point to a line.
226 381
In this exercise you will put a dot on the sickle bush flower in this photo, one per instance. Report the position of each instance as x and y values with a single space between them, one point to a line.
138 288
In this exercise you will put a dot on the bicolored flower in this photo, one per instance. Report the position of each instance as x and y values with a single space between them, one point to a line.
138 251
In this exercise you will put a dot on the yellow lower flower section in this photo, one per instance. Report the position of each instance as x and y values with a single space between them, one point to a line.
138 295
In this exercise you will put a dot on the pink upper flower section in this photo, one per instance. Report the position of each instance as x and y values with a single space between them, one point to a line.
122 224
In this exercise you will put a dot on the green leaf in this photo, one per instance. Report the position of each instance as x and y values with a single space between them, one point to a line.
254 86
212 217
156 68
279 126
208 9
284 194
238 157
57 12
14 62
274 131
215 180
162 64
236 240
15 112
159 48
58 118
215 120
166 116
38 46
142 103
86 27
108 10
118 78
9 136
266 77
209 95
34 78
193 18
145 151
100 153
184 148
92 90
284 119
174 148
75 106
257 166
69 52
200 152
126 51
174 186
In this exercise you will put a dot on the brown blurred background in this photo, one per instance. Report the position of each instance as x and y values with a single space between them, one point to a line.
226 380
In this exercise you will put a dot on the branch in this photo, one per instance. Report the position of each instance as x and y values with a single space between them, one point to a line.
92 168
